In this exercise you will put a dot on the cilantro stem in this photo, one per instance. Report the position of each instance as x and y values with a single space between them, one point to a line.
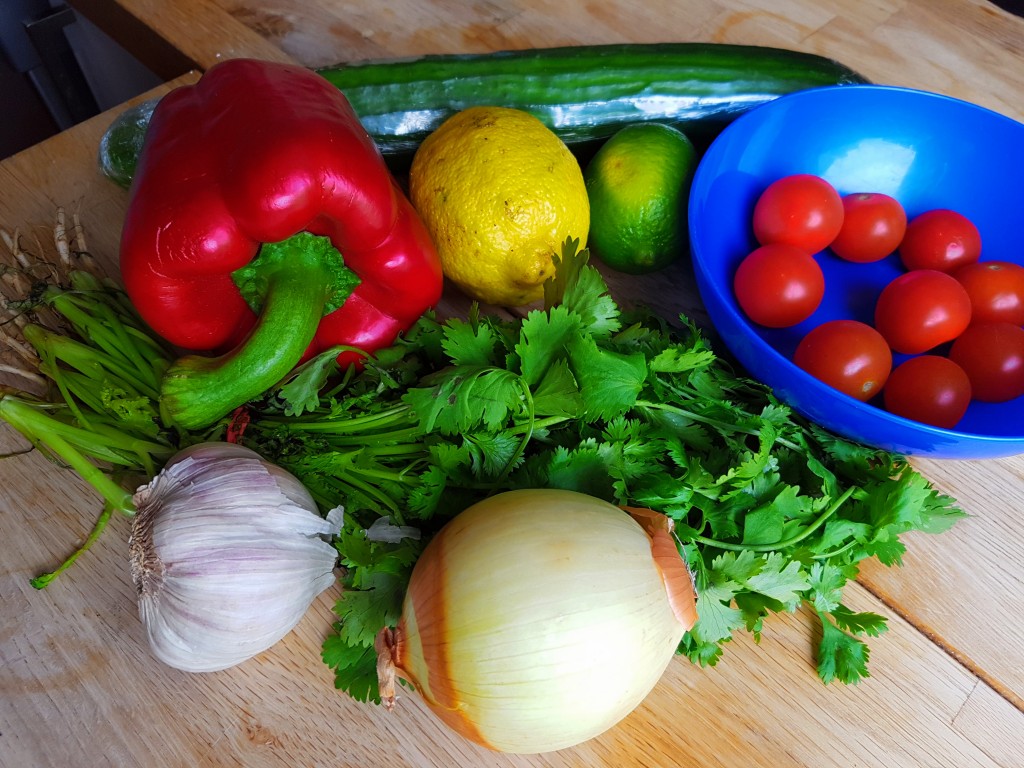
528 429
785 543
373 492
836 552
722 426
400 440
342 474
395 436
43 580
384 474
116 340
40 428
342 423
399 449
101 441
535 424
108 333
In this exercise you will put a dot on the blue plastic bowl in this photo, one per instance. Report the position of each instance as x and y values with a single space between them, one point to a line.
927 151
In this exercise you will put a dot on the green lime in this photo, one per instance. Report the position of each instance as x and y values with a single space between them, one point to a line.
638 184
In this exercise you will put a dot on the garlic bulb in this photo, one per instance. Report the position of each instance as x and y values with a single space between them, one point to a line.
227 553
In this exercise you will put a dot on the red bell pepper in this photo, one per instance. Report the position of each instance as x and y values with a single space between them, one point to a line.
263 226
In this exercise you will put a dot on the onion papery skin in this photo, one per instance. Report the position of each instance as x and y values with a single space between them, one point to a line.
535 620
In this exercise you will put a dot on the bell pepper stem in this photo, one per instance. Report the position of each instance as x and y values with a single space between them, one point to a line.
299 282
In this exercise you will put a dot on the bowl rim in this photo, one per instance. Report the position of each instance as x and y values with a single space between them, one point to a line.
944 436
816 91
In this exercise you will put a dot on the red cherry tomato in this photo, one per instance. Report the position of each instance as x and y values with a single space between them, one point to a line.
992 355
778 285
921 309
801 210
848 355
940 239
996 289
873 226
930 389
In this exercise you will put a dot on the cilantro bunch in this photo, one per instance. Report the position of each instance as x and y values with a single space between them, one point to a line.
772 513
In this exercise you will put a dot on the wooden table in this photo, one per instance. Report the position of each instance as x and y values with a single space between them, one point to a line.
77 683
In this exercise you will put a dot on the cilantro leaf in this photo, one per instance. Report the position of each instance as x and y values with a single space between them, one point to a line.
838 532
755 608
355 667
375 605
424 497
469 342
862 623
736 567
609 382
780 579
841 656
300 392
583 468
492 454
465 398
588 297
717 619
753 464
772 511
543 338
886 548
678 359
764 525
706 654
581 288
557 393
826 583
567 268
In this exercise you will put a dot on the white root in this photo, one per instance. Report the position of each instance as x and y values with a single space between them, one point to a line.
81 249
35 378
23 350
79 234
19 271
60 238
15 277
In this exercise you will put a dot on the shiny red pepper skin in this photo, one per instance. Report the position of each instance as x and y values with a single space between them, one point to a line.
254 153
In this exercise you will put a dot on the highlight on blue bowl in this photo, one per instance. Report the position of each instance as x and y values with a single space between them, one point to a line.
924 149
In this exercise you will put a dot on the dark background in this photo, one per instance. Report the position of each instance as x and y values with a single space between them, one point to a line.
1013 6
57 69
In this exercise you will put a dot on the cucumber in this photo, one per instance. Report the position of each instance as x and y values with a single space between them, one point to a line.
122 142
583 93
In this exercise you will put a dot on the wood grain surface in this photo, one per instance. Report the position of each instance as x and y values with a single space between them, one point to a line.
77 685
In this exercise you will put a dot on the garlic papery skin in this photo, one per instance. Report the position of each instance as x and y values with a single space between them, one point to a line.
227 553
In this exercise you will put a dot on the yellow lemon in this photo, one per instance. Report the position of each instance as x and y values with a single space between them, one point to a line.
499 193
639 186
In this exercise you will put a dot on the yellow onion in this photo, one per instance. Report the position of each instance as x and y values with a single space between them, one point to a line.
538 619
